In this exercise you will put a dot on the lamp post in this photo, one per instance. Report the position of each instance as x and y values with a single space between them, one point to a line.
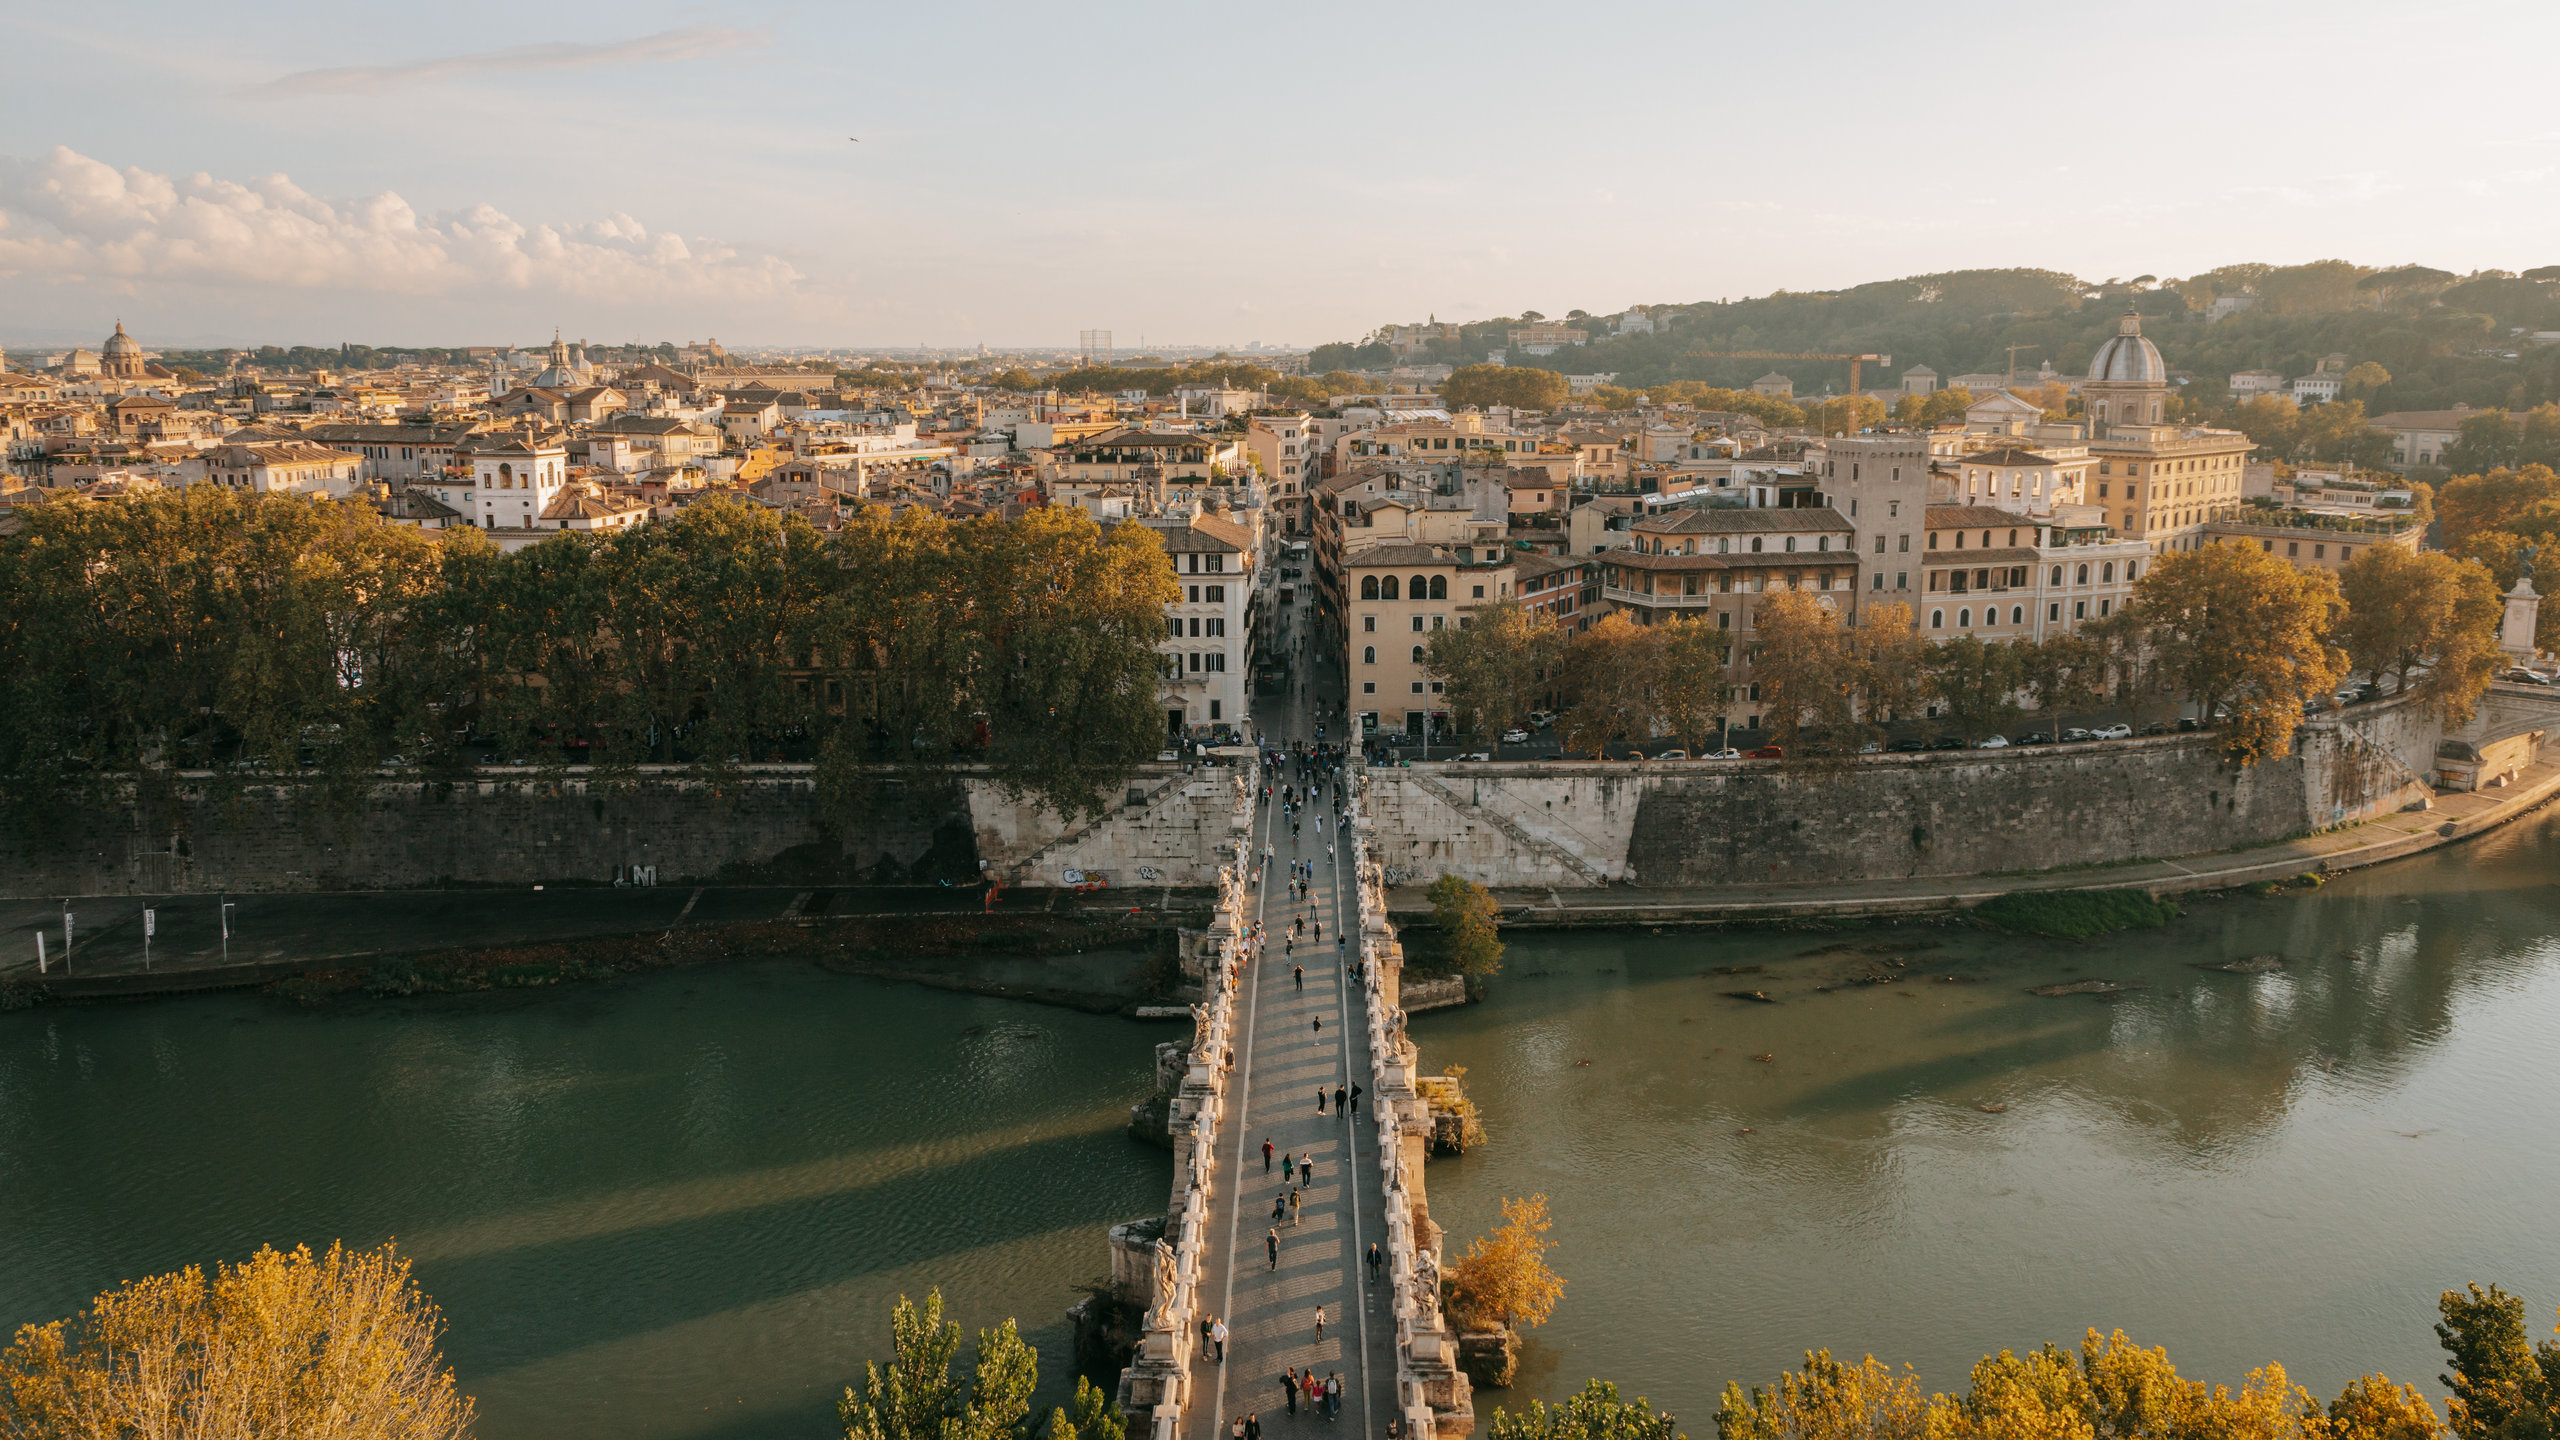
225 914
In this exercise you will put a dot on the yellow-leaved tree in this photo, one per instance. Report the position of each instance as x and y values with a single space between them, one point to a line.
340 1346
2244 636
1504 1278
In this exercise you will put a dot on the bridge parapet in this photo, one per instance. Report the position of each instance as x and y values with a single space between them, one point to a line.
1433 1398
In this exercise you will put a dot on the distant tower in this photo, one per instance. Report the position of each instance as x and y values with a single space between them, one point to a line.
1095 345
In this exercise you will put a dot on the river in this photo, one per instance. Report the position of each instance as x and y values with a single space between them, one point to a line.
680 1205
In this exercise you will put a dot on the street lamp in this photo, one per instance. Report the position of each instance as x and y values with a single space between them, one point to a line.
226 931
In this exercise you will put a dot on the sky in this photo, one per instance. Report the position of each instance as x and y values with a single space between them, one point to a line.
479 173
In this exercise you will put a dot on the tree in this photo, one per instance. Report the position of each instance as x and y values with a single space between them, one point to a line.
1503 1278
2233 625
1801 662
1593 1413
1845 414
338 1347
2503 1388
1694 652
1097 1416
2522 501
1978 682
1891 663
2485 442
1468 919
2404 608
918 1398
1522 387
1610 673
1827 1400
1496 666
2064 672
2372 1408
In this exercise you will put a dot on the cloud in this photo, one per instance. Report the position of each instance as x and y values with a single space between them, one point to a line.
690 43
67 217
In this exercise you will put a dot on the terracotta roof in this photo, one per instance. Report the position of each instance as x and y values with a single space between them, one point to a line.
1976 517
1728 520
1967 559
1766 560
2009 456
1207 534
1381 556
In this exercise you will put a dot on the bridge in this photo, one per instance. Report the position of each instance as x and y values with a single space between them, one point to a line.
1285 1019
2509 709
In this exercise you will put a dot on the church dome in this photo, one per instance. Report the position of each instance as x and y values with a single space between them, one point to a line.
2127 358
120 346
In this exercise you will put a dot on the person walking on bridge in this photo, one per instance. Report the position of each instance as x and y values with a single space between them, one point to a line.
1306 1170
1320 1330
1271 1242
1266 1157
1298 973
1376 1259
1341 1101
1289 1389
1319 1099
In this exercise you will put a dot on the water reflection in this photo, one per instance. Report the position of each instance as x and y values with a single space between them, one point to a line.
2240 1166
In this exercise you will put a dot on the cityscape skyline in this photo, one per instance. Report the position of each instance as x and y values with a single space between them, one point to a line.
332 174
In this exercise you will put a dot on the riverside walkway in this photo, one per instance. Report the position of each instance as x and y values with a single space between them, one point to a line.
1293 1041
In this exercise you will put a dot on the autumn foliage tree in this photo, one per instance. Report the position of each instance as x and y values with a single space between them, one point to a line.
340 1346
1496 667
2236 627
2404 609
1504 1279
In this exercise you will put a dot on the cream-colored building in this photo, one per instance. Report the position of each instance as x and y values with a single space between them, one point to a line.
1398 595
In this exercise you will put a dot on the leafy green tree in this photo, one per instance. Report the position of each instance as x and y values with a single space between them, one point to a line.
1519 386
1468 919
2404 608
2504 1388
2525 501
2235 626
1096 1416
1496 666
2064 672
1593 1413
918 1398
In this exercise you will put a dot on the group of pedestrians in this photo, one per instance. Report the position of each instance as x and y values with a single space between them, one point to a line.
1322 1393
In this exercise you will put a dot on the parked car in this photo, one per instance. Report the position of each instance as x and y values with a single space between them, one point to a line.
1725 754
1541 719
1948 742
1479 755
2034 737
1168 755
2156 727
1996 742
1672 755
1871 748
1908 744
1766 752
2117 731
1515 736
2075 735
2521 676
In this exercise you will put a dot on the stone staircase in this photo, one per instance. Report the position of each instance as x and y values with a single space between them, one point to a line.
1518 834
1029 866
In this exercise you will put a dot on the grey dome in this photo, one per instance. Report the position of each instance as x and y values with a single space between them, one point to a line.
121 346
2127 358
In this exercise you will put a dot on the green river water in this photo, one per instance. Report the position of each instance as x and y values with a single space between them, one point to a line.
680 1206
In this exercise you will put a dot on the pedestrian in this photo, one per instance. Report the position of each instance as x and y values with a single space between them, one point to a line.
1279 1206
1320 1329
1253 1426
1355 1109
1341 1101
1333 1396
1271 1242
1298 973
1235 1428
1208 1329
1218 1334
1376 1259
1289 1389
1319 1099
1306 1169
1293 1209
1319 1024
1266 1157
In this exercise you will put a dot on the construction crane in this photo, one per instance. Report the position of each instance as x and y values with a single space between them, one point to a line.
1854 360
2013 360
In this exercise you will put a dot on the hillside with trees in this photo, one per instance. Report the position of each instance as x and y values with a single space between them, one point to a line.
2433 338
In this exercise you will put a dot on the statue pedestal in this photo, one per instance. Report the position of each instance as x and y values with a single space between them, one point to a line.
2524 611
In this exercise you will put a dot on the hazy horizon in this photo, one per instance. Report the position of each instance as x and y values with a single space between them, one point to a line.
666 171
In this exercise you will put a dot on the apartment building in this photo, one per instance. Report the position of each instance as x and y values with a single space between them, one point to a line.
1399 594
1210 645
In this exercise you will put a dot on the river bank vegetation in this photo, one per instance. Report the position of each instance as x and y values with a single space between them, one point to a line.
242 636
2230 632
2503 1386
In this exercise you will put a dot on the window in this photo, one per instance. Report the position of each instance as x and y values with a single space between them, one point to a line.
2079 609
2057 574
1217 564
1963 618
1879 580
1439 622
2017 614
1791 544
2104 606
1417 687
2053 611
1933 539
1195 627
1217 594
1937 619
2319 552
1368 654
2083 573
2293 547
1419 587
1369 587
2107 573
1755 544
1173 626
1417 654
1479 592
1724 546
1195 662
1369 623
1386 587
1417 624
1368 687
1879 544
1724 619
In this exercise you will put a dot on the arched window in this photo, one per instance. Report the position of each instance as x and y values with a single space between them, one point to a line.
1439 587
506 476
2057 574
1369 587
2017 614
1417 588
2084 576
1387 587
1937 619
1755 544
1368 654
2107 572
2102 412
2132 570
1724 546
1417 654
1964 618
1791 544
